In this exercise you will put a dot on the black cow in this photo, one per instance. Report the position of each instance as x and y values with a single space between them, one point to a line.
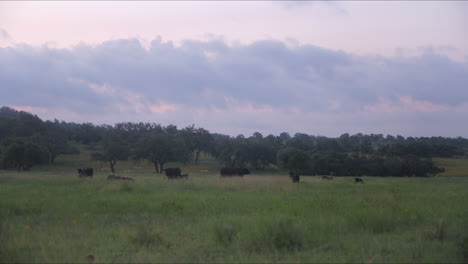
175 173
85 172
112 177
228 172
356 180
294 177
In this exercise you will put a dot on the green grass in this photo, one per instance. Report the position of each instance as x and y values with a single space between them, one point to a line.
56 217
50 215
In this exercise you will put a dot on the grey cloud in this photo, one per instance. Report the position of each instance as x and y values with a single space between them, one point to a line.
206 73
293 4
336 7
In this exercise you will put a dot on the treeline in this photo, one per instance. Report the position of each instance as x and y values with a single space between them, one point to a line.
25 140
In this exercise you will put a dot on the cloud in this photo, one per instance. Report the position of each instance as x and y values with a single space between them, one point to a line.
4 35
263 85
334 6
293 4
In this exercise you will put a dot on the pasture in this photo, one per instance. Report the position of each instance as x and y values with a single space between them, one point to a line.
55 217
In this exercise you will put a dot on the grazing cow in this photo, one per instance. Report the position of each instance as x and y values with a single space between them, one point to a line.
228 172
294 177
356 180
327 178
112 177
85 172
90 259
174 173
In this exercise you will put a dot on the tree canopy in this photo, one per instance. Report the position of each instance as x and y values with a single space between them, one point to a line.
26 141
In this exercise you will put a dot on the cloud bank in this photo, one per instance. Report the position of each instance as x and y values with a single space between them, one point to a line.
265 86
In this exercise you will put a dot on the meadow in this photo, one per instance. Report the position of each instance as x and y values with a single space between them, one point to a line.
49 215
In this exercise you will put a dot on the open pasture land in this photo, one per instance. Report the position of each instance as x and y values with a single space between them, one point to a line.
55 217
453 166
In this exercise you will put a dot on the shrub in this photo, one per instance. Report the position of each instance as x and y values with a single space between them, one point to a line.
148 238
225 233
464 248
281 234
440 230
373 222
125 187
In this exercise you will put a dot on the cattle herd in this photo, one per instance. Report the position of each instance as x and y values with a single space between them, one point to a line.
85 172
294 177
176 173
327 178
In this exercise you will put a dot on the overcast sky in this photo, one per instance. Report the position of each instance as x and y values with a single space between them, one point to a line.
322 68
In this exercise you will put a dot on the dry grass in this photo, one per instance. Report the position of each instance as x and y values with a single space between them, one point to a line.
453 166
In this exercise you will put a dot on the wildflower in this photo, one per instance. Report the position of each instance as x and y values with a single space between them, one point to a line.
370 259
74 221
85 214
406 210
27 227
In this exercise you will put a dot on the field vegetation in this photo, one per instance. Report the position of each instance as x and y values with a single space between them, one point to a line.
56 217
50 215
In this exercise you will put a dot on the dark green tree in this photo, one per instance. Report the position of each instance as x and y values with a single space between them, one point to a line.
55 141
197 140
161 148
113 149
22 155
295 160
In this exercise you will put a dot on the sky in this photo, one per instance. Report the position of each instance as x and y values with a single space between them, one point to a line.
239 67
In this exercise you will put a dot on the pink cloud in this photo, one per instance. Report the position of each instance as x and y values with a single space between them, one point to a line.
384 105
162 108
423 106
30 109
239 107
404 104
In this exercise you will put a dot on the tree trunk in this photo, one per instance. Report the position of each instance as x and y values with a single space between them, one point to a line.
52 159
112 163
161 164
156 167
197 155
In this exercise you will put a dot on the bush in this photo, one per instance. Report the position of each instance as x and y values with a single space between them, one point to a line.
464 248
225 233
280 234
125 187
148 238
374 223
440 231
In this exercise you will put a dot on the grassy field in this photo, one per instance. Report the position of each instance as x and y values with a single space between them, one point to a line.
453 166
51 216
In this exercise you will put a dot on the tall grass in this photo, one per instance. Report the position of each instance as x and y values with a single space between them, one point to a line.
48 217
